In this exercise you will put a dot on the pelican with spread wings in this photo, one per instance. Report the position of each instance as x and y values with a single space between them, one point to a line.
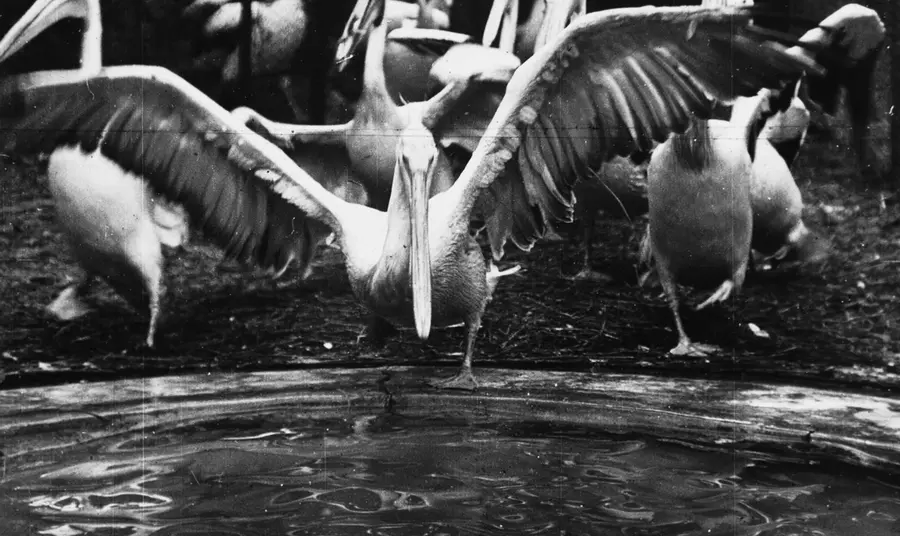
609 84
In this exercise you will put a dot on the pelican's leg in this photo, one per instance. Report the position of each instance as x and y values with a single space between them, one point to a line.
685 347
69 305
155 291
587 272
464 379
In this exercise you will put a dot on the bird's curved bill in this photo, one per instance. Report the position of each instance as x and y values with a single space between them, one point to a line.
366 15
420 254
40 16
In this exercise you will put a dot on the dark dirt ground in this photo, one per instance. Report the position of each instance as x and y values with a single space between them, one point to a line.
837 323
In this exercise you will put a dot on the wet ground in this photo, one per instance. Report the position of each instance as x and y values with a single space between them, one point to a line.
831 324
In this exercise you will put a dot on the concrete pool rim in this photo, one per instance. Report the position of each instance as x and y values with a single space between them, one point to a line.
858 428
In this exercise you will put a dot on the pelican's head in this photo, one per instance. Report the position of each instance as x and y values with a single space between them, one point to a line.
366 15
416 158
848 42
44 14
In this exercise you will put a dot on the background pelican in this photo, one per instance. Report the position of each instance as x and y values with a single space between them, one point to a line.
115 218
371 137
410 51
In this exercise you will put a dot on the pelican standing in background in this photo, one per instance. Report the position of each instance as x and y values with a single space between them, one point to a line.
290 42
371 137
416 263
701 218
407 59
779 233
714 194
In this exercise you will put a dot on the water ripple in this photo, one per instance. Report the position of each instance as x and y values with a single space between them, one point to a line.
285 474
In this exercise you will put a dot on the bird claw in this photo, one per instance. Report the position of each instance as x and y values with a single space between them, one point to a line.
464 380
694 349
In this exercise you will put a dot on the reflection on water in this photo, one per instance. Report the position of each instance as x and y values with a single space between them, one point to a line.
279 473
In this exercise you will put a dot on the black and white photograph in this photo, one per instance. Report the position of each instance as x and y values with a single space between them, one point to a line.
449 267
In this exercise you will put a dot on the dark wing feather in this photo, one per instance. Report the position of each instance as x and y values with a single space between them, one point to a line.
252 204
612 83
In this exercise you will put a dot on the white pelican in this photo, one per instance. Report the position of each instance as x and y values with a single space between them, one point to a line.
610 82
701 219
294 39
292 42
408 53
719 188
115 219
779 233
778 229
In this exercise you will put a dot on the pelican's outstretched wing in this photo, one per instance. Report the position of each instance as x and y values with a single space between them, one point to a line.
247 195
613 82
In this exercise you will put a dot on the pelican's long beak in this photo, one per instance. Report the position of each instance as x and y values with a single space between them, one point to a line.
502 19
46 13
366 15
558 15
418 181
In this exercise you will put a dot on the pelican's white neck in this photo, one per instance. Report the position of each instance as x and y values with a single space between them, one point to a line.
92 40
374 83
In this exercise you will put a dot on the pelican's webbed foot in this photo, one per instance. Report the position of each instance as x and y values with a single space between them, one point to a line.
686 348
463 380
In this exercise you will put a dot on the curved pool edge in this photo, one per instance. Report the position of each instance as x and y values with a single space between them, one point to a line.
861 429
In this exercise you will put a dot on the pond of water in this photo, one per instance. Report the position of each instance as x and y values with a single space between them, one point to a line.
377 473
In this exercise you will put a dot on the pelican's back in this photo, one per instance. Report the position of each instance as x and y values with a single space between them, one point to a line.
699 195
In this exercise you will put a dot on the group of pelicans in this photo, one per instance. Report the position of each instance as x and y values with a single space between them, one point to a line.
505 140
